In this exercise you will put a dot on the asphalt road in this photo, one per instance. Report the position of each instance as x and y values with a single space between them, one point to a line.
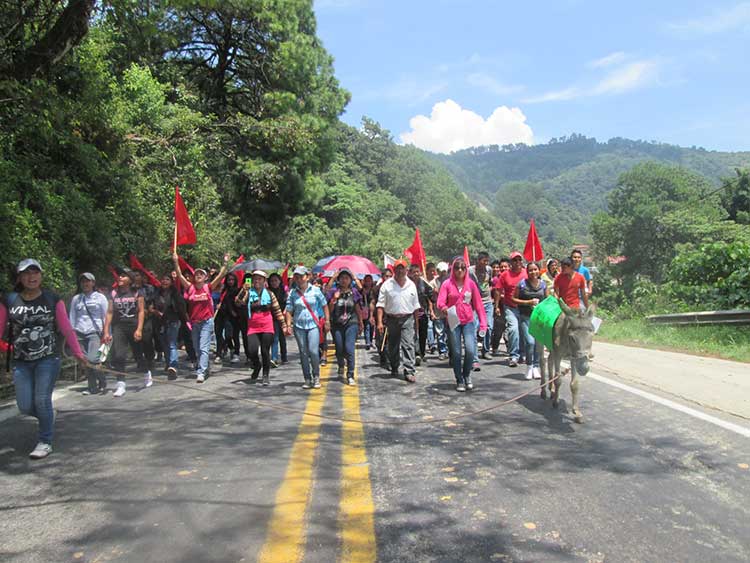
189 472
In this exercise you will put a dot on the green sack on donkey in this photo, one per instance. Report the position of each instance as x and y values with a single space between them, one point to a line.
542 321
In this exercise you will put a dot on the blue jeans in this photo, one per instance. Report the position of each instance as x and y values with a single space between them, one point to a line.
169 342
34 383
441 335
344 337
489 312
203 332
469 333
533 349
512 322
308 342
368 332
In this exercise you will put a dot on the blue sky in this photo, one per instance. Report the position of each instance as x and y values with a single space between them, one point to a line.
482 71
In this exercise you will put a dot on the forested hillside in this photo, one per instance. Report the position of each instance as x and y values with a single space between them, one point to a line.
105 107
563 183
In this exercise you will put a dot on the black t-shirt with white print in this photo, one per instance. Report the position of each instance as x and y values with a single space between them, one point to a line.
125 307
33 327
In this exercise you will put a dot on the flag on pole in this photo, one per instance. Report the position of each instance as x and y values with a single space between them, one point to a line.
285 277
136 265
415 253
239 274
115 276
184 233
466 256
532 252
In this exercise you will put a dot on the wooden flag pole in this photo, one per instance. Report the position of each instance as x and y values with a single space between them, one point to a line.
174 248
385 337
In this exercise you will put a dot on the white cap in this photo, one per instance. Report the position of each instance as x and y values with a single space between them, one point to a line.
442 267
301 270
27 263
260 273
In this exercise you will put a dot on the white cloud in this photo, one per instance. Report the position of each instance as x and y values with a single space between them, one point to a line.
623 78
735 17
487 82
609 60
451 127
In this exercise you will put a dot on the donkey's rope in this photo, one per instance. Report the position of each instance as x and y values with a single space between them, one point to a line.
370 421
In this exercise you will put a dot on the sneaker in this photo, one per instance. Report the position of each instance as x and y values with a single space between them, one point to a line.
217 359
512 363
255 374
86 392
148 381
476 367
120 391
530 373
350 380
418 361
274 364
316 382
235 359
200 378
460 387
41 450
410 377
484 355
537 373
442 357
307 384
341 371
469 384
323 361
172 374
433 349
266 380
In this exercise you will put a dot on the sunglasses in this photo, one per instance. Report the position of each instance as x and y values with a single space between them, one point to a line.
460 268
517 259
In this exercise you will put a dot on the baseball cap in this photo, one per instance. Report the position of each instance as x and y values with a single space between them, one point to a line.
400 262
202 271
345 271
442 267
87 275
260 273
125 272
27 263
301 271
515 254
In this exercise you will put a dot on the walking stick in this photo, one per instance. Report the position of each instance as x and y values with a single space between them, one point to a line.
385 337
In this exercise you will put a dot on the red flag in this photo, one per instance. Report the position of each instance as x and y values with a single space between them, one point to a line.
136 265
239 274
466 256
415 253
184 265
115 276
183 228
285 276
533 249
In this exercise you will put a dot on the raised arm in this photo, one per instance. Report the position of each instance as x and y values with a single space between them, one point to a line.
220 276
183 281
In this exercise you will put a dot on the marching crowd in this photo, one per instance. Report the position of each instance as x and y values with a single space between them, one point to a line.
460 312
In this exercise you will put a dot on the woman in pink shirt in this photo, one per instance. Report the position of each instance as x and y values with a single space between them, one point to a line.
200 308
461 292
262 309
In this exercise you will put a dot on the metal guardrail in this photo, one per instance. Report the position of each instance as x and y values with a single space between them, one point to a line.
734 317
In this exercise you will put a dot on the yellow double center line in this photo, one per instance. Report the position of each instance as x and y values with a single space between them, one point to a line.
287 533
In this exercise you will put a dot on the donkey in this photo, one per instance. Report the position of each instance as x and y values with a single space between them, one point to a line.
573 334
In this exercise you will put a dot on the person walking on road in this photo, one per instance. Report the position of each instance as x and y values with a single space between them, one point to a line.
481 274
124 327
379 336
200 307
88 313
397 310
425 314
34 318
345 312
306 311
527 295
170 309
461 292
262 310
506 286
278 348
570 286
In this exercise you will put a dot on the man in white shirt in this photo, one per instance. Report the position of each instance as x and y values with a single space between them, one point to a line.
397 309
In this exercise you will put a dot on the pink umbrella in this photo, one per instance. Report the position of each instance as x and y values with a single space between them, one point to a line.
359 265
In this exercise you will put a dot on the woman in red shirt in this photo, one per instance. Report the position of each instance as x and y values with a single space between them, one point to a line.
200 308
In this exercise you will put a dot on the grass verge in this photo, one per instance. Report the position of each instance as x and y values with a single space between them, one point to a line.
728 342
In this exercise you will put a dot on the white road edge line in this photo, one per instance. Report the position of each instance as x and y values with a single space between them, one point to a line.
736 428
